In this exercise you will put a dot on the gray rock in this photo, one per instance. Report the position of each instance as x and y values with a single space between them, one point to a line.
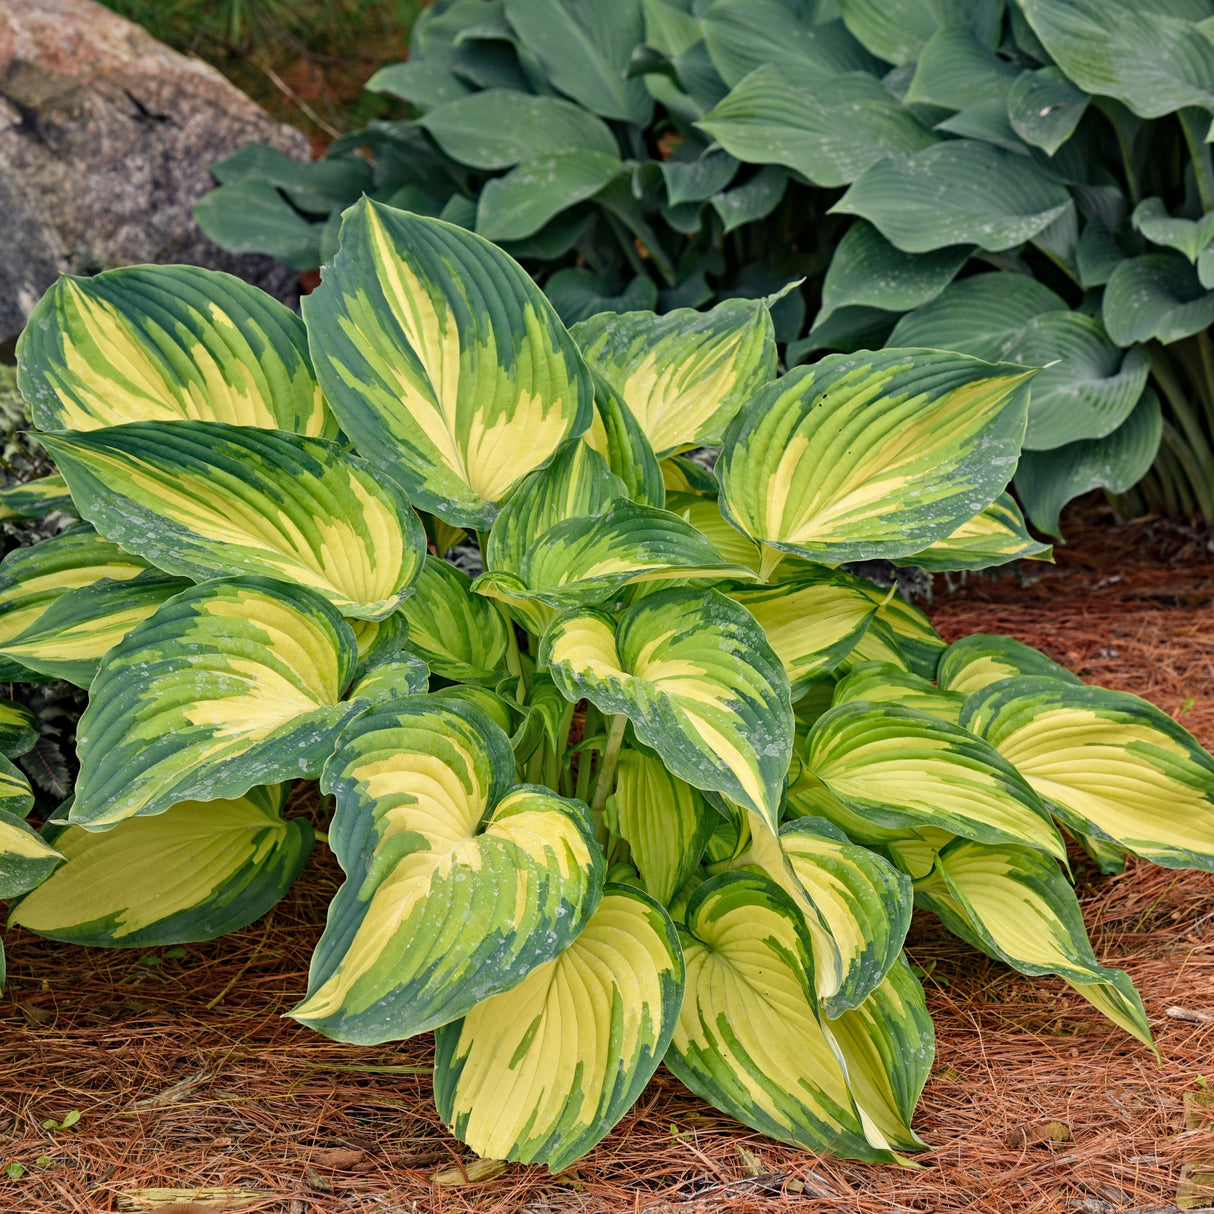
106 136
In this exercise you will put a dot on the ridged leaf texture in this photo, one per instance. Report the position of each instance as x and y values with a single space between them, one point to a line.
982 658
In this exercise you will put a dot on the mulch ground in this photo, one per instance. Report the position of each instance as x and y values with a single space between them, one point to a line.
185 1074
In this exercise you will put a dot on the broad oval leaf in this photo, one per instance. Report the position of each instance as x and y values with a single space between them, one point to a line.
226 686
443 360
980 659
540 1073
695 675
519 204
881 683
1158 295
683 375
26 858
436 913
1044 108
900 767
205 499
994 537
957 70
199 870
167 343
1188 236
460 635
897 30
873 454
1110 764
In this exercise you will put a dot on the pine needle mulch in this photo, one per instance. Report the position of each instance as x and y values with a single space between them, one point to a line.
185 1074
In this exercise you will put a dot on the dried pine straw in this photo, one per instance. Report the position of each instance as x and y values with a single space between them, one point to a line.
186 1075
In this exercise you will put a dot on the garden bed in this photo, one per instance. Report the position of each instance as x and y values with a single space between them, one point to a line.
185 1074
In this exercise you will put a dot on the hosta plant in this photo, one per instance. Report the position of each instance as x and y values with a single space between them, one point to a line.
661 783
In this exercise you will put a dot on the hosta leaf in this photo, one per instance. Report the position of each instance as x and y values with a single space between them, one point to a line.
896 30
900 767
1187 236
918 645
879 644
665 822
253 216
694 180
830 131
1111 764
578 293
426 85
669 26
199 870
956 192
812 622
519 204
69 639
812 799
1047 480
18 729
980 659
866 270
228 685
499 128
437 913
443 361
540 1073
955 69
751 201
377 639
1153 61
880 683
166 343
460 635
1015 905
877 454
617 436
316 186
681 475
748 1039
994 537
36 499
1157 295
695 675
26 858
1045 107
401 674
205 499
705 516
683 375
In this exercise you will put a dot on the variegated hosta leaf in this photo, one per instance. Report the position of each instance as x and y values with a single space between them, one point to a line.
443 361
685 374
617 436
228 685
748 1039
811 798
1110 764
540 1073
400 674
878 644
681 475
888 1044
459 634
994 537
205 499
901 767
812 622
199 870
880 683
695 675
980 659
494 706
1016 906
69 639
167 343
918 645
18 729
665 822
873 454
26 858
378 639
436 913
705 516
36 499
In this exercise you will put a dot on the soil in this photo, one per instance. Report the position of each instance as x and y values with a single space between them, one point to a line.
185 1074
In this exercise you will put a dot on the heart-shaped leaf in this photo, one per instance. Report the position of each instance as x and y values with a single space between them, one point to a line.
980 659
460 635
1158 295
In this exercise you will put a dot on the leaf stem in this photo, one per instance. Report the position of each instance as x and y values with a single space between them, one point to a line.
606 776
1199 152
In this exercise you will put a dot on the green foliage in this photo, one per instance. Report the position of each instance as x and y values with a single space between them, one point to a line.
660 784
1030 186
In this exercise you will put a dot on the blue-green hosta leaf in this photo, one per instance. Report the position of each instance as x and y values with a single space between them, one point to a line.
900 767
36 499
881 683
252 216
957 192
1110 764
457 885
665 822
205 499
955 69
199 870
228 685
830 131
698 179
499 128
917 644
540 1073
866 270
697 678
460 635
748 1039
578 293
1044 108
26 858
426 85
978 660
1097 254
669 26
1158 295
1146 56
1016 906
585 48
315 186
876 454
994 537
897 30
70 638
1188 236
617 436
519 204
1047 480
751 201
443 361
683 375
18 729
167 343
